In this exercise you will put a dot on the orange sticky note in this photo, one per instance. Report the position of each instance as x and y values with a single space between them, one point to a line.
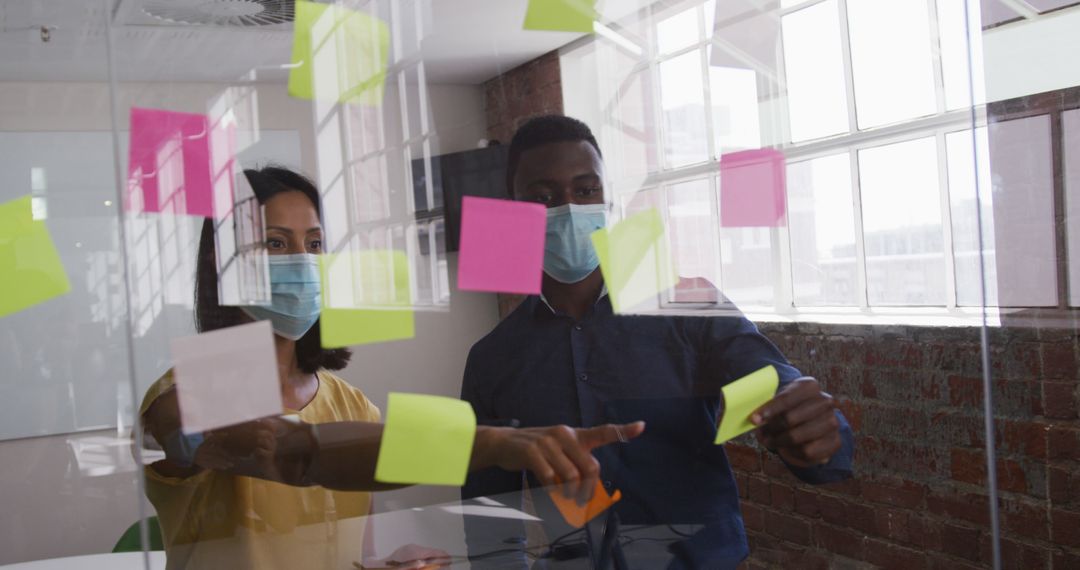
577 515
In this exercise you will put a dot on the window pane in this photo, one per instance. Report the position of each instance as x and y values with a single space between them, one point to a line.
747 265
891 61
683 100
814 69
901 211
821 219
965 218
695 245
677 32
954 53
1071 126
734 97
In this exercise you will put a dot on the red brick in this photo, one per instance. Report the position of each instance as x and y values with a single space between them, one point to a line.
887 555
758 489
743 457
969 507
924 532
960 541
1016 554
847 513
742 482
1066 559
1011 476
1027 438
945 562
1066 527
806 503
965 391
753 517
842 541
1059 400
783 497
1059 361
1024 518
791 528
1064 443
1063 485
968 466
774 467
892 524
894 491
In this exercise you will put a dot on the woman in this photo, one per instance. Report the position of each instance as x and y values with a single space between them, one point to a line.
270 493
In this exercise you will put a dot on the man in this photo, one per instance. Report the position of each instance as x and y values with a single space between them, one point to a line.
565 358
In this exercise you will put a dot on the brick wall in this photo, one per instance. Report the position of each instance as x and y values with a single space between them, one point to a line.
914 397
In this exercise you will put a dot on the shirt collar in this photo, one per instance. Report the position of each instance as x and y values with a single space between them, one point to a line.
545 303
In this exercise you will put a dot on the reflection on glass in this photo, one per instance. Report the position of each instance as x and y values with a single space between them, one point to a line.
1070 121
677 32
901 211
695 245
814 71
957 58
966 218
682 98
821 222
734 97
891 61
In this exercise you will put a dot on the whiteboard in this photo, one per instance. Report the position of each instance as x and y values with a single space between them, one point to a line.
65 364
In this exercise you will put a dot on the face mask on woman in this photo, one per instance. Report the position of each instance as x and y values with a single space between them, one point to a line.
569 256
294 295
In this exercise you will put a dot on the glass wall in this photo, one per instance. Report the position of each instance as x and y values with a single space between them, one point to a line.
337 285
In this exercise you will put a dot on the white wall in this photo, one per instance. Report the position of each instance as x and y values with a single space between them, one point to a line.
1032 56
61 501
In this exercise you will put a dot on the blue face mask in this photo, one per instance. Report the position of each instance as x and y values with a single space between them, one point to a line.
294 295
569 256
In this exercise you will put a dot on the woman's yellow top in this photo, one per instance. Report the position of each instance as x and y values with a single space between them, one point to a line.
216 520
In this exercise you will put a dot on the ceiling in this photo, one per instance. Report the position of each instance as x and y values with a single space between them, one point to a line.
471 41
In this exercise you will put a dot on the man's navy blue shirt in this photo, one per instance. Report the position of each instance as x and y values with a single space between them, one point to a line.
539 368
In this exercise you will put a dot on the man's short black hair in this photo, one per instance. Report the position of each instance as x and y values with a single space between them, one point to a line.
542 130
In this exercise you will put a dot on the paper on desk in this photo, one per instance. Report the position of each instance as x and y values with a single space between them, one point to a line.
753 188
502 246
226 376
426 440
634 260
339 55
169 163
30 265
561 15
577 515
742 397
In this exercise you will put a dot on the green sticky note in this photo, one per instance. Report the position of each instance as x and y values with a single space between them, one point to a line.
742 397
339 55
365 298
30 265
427 440
634 260
561 15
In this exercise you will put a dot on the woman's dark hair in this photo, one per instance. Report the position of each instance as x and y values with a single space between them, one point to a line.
542 130
209 315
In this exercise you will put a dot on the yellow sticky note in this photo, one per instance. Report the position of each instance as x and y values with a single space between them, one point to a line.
634 260
561 15
426 440
742 397
30 265
365 298
338 54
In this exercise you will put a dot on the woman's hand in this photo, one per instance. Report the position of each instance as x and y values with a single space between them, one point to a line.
556 454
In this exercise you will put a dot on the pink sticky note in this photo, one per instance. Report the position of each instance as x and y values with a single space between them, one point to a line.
169 163
752 188
502 246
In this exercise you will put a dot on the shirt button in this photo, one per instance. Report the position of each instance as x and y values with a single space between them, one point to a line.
607 485
583 377
577 327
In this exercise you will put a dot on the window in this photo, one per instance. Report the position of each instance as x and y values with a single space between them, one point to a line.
869 104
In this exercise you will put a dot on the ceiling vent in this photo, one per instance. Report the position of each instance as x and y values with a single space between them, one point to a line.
241 13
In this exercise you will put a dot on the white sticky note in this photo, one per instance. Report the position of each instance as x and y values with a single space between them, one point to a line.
226 377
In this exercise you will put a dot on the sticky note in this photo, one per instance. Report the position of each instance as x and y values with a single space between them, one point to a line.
366 298
502 246
561 15
577 515
426 440
226 376
30 265
742 397
339 55
169 163
752 189
634 259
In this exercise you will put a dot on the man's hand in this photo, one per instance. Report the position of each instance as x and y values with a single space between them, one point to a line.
799 424
556 454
